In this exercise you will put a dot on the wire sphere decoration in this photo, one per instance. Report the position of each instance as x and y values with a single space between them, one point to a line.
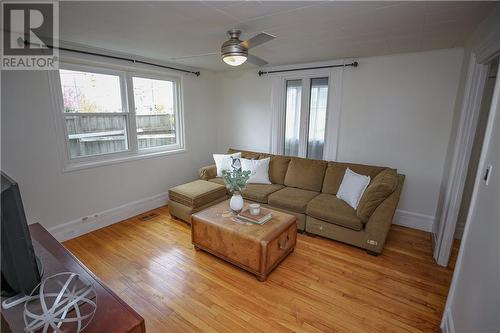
65 303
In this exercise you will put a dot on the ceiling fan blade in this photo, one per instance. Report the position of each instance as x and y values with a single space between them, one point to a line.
257 40
196 56
256 60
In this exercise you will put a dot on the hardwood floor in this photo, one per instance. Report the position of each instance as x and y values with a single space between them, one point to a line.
323 286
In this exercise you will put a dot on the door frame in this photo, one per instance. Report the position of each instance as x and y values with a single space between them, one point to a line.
474 88
483 46
447 320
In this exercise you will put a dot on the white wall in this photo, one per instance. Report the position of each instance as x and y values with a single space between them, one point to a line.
30 155
397 111
244 103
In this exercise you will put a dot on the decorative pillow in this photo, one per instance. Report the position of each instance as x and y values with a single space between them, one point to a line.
223 162
381 187
352 187
259 170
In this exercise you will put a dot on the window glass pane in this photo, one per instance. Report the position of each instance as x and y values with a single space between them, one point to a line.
317 118
96 135
155 112
292 116
88 92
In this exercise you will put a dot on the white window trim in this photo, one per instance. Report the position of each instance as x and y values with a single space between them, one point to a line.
132 153
334 103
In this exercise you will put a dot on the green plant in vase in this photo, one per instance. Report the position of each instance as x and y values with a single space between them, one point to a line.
236 181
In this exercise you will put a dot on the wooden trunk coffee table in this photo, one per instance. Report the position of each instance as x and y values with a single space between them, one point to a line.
255 248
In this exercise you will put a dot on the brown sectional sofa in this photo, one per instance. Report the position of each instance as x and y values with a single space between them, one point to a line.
307 189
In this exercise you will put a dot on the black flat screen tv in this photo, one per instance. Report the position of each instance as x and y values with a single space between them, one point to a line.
20 272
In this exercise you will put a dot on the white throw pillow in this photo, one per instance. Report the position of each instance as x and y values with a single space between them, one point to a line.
259 170
223 162
352 187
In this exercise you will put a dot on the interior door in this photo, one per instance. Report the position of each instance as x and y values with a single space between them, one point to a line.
457 163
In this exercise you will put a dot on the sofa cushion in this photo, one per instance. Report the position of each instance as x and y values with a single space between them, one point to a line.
254 192
294 199
335 173
329 208
244 153
260 192
379 189
277 167
305 174
197 193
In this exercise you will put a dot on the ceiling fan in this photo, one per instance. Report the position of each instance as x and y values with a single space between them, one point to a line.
234 51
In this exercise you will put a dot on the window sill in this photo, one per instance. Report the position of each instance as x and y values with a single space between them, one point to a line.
75 166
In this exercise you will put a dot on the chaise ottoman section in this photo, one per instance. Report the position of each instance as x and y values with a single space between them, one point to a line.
192 197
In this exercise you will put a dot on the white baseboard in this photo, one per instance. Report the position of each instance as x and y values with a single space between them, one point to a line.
447 323
414 220
79 227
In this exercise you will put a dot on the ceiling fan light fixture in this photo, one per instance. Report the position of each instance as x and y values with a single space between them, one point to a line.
232 51
234 60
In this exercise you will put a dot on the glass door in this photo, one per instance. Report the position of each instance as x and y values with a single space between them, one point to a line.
306 105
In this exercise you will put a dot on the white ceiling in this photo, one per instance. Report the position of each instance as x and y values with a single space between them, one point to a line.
307 30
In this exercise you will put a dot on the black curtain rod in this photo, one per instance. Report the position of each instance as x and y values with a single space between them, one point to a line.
116 58
353 64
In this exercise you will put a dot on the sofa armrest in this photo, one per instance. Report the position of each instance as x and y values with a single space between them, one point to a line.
380 221
208 172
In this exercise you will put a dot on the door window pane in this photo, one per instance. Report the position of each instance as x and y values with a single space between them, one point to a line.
317 118
96 135
292 116
155 112
88 92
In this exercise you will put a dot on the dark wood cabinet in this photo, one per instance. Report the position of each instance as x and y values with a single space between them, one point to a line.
113 315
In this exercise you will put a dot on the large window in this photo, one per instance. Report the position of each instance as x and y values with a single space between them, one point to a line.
306 103
108 113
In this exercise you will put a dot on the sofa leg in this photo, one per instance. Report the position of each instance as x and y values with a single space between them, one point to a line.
372 253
